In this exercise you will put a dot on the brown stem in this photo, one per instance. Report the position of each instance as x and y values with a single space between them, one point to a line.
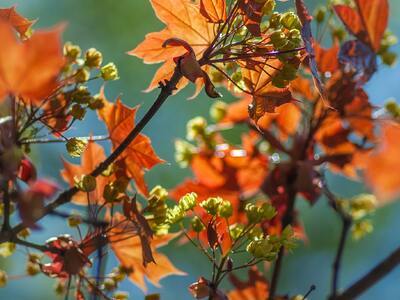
286 220
372 277
65 197
346 224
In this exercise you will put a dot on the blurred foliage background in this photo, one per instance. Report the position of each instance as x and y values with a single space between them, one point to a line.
115 27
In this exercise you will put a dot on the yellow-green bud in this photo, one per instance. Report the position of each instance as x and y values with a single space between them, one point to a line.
118 276
196 127
96 102
216 76
197 224
268 7
236 230
184 152
392 107
3 278
256 233
175 214
32 269
93 58
81 95
76 146
278 39
361 229
267 211
110 193
389 58
290 20
339 33
319 14
59 288
85 183
225 209
260 248
121 296
275 20
74 220
78 112
252 213
24 233
109 72
82 75
211 205
7 249
188 201
72 52
159 192
34 258
218 110
361 205
110 284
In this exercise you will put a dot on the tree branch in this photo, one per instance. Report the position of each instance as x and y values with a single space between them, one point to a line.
346 225
65 197
372 277
286 220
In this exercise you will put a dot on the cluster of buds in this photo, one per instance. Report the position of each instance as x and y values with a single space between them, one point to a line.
216 206
393 108
267 248
359 208
257 214
113 279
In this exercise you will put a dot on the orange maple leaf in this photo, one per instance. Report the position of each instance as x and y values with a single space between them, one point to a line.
383 164
256 288
128 250
139 155
184 20
29 69
21 24
91 158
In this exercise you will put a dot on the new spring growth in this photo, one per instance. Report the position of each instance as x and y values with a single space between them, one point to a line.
197 225
85 183
93 58
217 206
218 110
183 152
109 72
196 128
157 206
72 52
188 202
256 214
3 278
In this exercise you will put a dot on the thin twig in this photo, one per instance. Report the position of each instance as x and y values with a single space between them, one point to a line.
372 277
65 197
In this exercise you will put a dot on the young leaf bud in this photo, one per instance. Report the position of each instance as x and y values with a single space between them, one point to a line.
290 20
225 209
218 110
76 146
109 72
188 201
196 127
93 58
72 52
82 75
32 269
121 296
74 220
159 192
3 278
211 205
319 14
197 225
78 112
268 7
183 152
